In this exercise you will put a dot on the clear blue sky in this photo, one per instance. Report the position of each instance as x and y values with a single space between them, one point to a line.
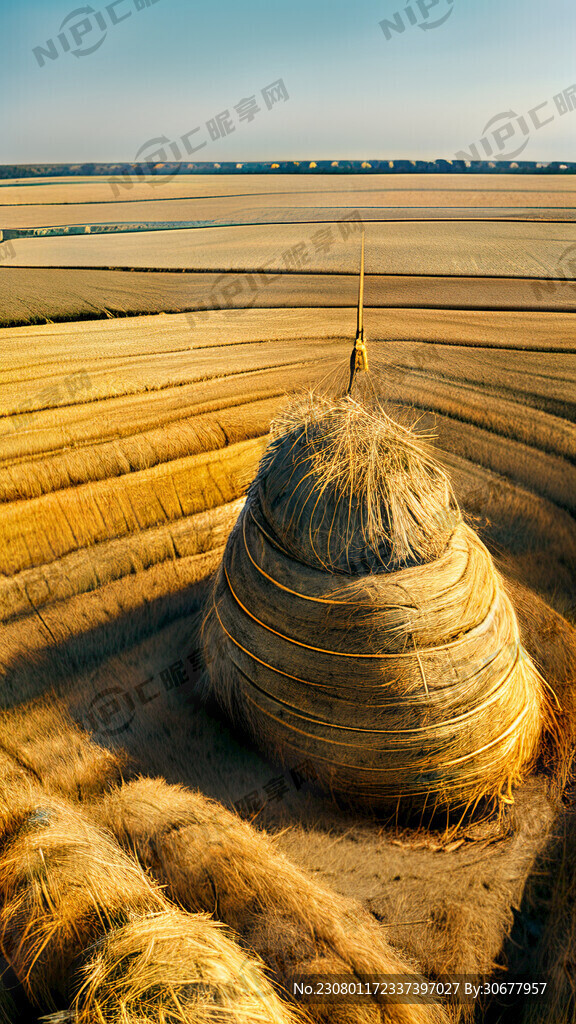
171 67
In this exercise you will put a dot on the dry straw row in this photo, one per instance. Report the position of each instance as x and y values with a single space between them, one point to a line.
83 925
208 858
359 623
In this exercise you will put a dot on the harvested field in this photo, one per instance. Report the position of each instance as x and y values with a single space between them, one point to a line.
517 250
37 295
129 433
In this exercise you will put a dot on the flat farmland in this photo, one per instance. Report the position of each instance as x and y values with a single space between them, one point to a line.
143 361
106 416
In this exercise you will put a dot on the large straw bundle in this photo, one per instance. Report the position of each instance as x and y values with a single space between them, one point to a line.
359 624
83 923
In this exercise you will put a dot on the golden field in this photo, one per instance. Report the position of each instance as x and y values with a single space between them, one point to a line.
132 420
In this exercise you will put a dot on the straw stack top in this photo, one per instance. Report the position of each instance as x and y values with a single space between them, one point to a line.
350 491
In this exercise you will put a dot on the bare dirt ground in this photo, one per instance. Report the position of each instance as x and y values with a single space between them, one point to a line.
128 442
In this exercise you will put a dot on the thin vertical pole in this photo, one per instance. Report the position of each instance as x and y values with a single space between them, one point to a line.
360 318
359 357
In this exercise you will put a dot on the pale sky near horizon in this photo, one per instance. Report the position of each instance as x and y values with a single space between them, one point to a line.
163 70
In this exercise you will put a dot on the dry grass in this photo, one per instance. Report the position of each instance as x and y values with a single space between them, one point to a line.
43 740
517 250
175 970
212 861
70 637
551 640
543 473
81 922
236 196
534 540
89 424
534 379
473 188
78 917
365 493
63 885
148 371
137 452
107 563
93 567
46 528
358 623
482 407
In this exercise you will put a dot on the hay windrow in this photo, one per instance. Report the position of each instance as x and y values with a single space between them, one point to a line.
208 857
63 883
357 623
46 528
155 970
70 895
